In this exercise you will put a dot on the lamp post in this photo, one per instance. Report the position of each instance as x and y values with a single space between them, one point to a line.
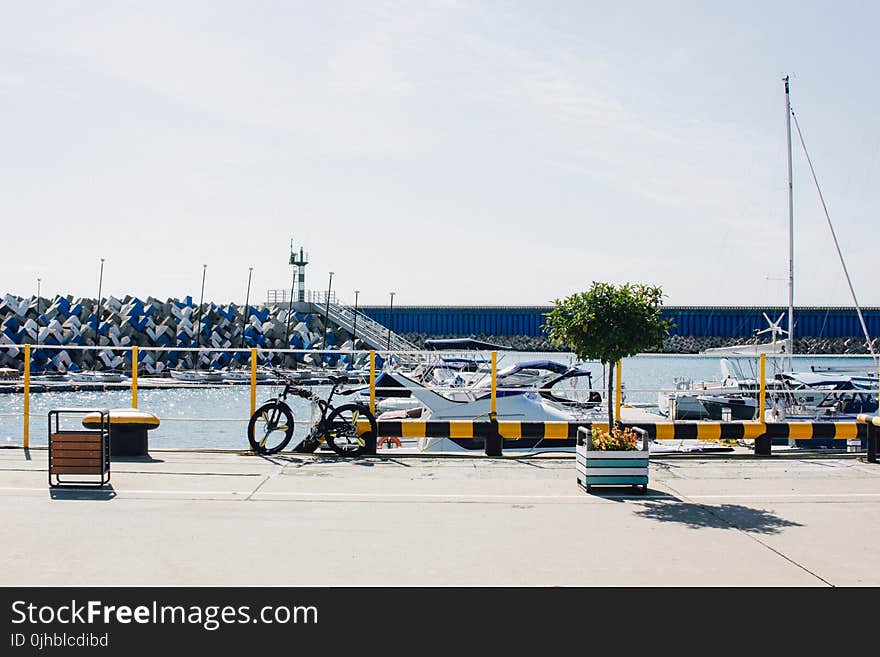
201 299
327 313
247 308
38 294
98 309
390 322
354 329
290 306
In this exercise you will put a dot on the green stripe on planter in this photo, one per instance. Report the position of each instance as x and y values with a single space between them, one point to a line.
617 463
593 481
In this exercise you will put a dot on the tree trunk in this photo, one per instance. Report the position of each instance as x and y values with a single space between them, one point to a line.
610 395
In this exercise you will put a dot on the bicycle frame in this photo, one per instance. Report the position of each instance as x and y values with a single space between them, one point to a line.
317 429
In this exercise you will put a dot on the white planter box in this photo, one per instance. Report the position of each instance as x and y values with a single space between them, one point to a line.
610 468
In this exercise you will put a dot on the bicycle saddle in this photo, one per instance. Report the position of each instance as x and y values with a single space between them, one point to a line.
338 379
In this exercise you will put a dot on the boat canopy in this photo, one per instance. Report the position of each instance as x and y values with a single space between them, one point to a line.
464 343
815 379
550 365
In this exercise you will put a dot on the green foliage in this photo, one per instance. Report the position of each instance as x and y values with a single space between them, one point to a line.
609 322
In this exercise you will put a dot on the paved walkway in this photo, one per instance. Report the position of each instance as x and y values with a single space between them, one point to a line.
188 518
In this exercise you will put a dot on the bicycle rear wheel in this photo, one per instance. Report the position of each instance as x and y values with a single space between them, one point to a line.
342 429
270 428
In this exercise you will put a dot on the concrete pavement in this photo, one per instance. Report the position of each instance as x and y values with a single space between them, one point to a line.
219 519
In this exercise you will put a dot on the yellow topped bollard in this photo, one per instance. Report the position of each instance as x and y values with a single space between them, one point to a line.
618 392
27 394
493 404
134 377
373 382
253 381
762 402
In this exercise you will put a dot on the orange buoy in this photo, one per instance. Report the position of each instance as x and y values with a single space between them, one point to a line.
388 441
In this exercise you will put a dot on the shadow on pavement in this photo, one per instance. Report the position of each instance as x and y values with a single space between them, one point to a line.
135 459
723 516
104 494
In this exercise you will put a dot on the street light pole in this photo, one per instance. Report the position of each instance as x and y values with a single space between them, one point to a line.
290 305
355 328
327 314
390 322
201 300
38 294
247 307
98 309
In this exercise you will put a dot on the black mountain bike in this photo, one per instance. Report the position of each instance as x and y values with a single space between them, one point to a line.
271 427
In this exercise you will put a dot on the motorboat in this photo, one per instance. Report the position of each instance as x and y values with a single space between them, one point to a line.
196 376
49 377
242 375
823 396
96 376
733 397
789 395
444 396
9 373
523 403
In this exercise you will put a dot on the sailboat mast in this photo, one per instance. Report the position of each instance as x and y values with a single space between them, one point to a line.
790 345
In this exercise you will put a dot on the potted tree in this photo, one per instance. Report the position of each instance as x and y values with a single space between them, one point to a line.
608 323
617 457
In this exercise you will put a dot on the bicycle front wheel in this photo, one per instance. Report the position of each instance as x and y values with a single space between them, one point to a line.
342 429
270 428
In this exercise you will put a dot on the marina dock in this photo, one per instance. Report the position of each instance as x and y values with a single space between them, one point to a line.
224 518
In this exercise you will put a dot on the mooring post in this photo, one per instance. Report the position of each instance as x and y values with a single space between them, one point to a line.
493 438
763 444
872 442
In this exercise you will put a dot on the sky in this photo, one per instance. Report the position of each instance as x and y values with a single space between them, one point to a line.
455 153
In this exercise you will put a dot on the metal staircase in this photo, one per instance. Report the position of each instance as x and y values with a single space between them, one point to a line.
368 330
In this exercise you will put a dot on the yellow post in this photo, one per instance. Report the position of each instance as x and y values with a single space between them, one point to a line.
618 395
762 402
373 382
27 395
253 381
134 377
493 404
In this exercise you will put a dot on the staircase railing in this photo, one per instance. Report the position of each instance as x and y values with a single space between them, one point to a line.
369 330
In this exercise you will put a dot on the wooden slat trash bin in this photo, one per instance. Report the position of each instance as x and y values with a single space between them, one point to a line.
78 453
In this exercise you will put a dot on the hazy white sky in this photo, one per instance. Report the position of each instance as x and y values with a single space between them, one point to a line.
454 152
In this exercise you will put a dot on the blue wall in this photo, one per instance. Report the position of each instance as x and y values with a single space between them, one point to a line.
690 320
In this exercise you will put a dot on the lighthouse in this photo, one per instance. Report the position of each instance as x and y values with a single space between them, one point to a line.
299 260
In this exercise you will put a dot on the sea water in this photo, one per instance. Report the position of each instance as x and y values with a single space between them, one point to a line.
216 418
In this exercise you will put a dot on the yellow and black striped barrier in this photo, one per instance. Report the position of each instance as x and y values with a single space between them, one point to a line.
472 434
872 425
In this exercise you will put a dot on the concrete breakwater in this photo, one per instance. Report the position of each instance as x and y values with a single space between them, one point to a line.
674 344
169 325
63 321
